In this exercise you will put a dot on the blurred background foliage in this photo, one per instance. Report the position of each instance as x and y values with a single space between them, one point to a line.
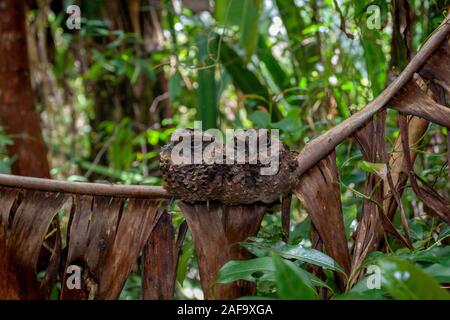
111 94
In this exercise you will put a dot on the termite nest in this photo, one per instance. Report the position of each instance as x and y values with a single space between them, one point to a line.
264 177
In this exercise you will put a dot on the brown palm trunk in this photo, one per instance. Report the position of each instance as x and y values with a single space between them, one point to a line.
17 111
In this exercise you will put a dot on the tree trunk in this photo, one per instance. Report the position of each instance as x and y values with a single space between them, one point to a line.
17 111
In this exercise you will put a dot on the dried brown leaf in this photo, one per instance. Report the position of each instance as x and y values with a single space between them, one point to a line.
318 190
426 193
216 239
160 261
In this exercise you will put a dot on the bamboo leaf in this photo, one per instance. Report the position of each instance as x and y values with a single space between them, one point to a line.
277 73
207 86
243 78
175 88
244 14
251 12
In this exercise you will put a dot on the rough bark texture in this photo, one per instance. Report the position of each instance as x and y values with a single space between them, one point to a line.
17 110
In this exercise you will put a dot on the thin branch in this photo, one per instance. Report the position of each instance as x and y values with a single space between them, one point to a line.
97 189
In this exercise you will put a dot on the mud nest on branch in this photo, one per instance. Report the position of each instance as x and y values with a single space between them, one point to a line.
229 182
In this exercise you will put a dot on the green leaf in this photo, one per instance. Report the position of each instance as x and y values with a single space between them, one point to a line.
445 233
183 261
4 169
261 269
375 63
292 283
244 14
291 123
432 255
416 229
344 111
228 12
243 78
277 73
244 269
207 86
435 255
294 23
260 119
405 281
350 214
255 298
308 255
148 71
251 12
440 272
375 59
120 153
375 168
366 295
92 11
301 230
175 86
4 140
361 291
